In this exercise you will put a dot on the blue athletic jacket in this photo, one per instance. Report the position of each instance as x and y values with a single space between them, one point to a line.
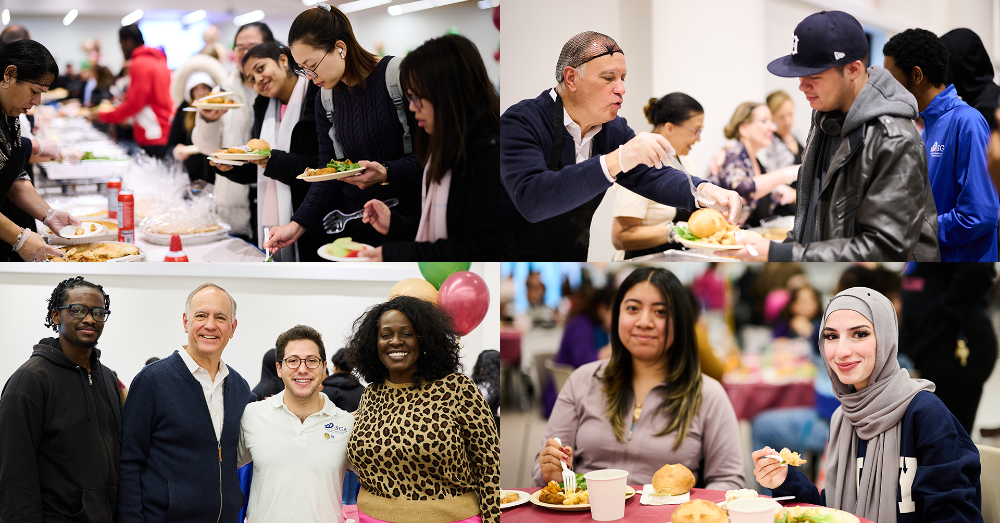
938 473
956 137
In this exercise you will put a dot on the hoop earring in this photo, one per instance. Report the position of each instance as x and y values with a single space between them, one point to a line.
6 84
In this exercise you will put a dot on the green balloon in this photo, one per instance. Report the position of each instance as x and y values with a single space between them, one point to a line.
453 30
437 272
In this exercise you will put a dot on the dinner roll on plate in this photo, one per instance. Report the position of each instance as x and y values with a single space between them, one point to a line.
699 511
673 480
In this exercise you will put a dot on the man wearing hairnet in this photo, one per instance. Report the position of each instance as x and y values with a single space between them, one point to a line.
561 151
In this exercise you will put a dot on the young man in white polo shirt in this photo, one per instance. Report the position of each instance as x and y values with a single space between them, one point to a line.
297 440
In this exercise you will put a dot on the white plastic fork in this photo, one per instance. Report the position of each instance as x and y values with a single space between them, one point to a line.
568 477
694 192
753 252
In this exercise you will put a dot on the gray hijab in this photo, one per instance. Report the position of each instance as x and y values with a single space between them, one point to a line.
873 414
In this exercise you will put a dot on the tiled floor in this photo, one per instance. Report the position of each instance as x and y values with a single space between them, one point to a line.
521 432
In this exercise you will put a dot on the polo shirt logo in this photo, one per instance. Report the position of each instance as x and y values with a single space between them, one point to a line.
937 150
332 430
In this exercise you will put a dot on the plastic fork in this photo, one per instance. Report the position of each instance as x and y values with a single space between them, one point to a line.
336 221
569 479
753 252
694 192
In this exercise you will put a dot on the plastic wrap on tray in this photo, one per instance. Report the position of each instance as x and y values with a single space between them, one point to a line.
183 221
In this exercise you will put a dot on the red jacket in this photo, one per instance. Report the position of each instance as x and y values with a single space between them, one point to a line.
147 99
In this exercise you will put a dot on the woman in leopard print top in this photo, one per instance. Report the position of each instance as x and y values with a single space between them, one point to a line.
424 445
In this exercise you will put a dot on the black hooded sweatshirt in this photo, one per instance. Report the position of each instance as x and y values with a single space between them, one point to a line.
971 71
344 391
60 430
270 383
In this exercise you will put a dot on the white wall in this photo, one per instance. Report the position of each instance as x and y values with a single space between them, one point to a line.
398 34
146 310
714 50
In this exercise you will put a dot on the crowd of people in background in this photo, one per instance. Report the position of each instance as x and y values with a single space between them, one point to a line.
423 127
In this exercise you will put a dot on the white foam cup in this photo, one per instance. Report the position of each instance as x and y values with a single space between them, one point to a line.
607 494
751 510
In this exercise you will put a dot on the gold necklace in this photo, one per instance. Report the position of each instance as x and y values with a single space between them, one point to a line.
636 413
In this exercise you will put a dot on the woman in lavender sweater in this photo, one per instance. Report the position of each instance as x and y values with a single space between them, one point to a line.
649 405
367 126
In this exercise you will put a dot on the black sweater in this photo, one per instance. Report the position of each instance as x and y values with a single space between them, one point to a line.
343 391
475 228
59 440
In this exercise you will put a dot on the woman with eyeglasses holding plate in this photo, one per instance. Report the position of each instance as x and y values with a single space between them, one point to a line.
356 118
458 114
641 225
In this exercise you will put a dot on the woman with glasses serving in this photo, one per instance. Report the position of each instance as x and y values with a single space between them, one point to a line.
356 119
642 226
736 166
425 445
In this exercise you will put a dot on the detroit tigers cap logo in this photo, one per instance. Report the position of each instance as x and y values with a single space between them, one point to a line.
795 44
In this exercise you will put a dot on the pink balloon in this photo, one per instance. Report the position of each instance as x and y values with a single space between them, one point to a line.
465 297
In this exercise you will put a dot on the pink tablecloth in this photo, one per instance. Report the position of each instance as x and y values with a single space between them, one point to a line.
750 399
634 511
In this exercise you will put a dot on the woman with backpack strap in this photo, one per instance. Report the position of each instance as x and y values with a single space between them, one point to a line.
356 118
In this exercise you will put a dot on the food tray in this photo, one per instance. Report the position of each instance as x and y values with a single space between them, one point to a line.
87 169
216 106
186 239
141 257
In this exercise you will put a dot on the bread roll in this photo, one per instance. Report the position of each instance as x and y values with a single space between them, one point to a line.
258 145
673 480
706 222
699 511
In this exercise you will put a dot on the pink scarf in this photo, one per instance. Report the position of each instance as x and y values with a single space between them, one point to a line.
434 209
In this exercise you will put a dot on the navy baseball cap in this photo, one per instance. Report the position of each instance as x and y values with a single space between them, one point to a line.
821 41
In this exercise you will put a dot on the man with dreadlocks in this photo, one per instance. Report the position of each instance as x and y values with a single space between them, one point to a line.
561 151
60 419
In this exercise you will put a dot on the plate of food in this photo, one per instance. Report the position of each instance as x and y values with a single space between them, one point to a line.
107 230
513 498
813 515
100 252
84 230
671 485
343 249
553 497
708 229
255 149
216 101
332 171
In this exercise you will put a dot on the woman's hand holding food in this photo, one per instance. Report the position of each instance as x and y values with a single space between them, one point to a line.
768 471
727 202
374 255
549 458
220 166
377 214
763 245
35 249
373 174
56 220
284 235
212 114
262 162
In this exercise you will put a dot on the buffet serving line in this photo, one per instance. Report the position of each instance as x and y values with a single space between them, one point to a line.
95 181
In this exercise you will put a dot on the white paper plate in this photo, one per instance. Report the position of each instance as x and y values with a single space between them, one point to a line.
323 253
186 239
522 499
649 497
235 156
110 234
331 176
710 246
221 94
629 492
216 106
69 231
230 162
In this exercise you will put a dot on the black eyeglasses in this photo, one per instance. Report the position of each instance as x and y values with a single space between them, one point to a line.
311 73
415 100
293 362
77 310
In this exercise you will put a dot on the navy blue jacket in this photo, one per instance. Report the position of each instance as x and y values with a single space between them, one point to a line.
552 208
956 137
172 466
940 470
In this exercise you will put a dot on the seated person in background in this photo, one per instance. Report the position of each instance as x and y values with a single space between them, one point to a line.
584 338
641 225
800 317
751 130
896 453
656 395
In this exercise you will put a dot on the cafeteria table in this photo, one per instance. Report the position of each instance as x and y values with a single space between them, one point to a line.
750 399
634 511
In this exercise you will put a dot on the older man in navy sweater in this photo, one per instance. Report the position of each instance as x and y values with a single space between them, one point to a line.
560 152
181 424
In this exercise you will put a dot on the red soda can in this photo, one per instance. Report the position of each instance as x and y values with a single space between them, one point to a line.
126 217
114 186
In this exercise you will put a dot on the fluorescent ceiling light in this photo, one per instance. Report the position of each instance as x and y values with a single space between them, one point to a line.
246 18
132 17
5 17
488 4
193 17
70 16
358 5
396 10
